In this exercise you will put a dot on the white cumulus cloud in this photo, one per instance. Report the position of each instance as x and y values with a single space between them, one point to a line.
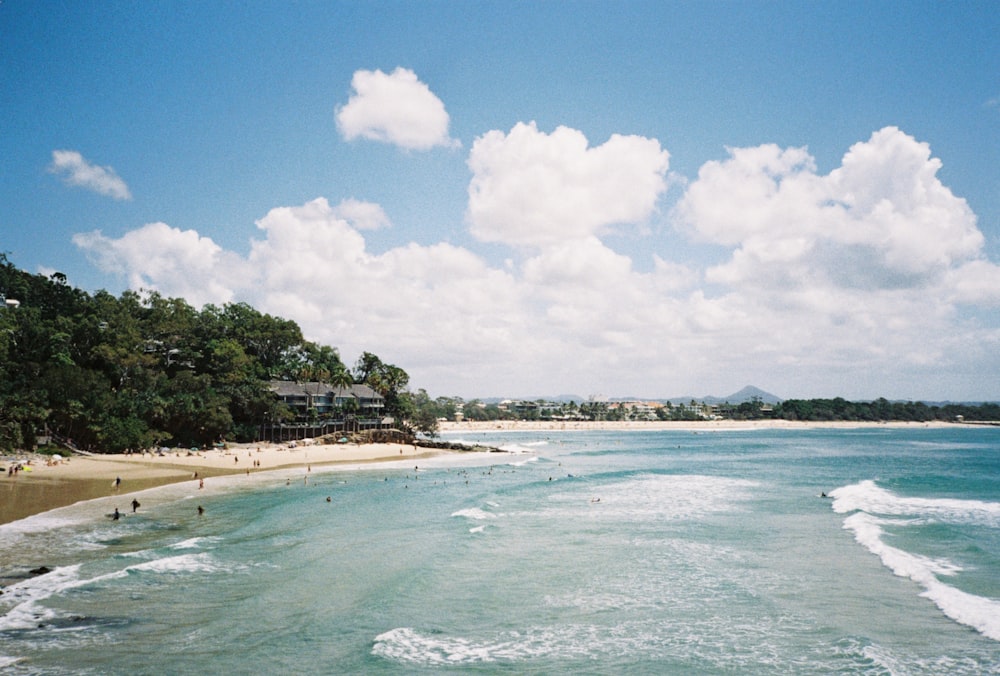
394 108
75 170
159 257
861 273
881 221
530 188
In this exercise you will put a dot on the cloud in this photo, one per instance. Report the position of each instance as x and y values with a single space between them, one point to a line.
159 257
882 221
310 254
863 271
533 189
75 170
396 108
866 281
363 215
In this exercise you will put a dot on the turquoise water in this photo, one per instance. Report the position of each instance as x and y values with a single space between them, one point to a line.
581 552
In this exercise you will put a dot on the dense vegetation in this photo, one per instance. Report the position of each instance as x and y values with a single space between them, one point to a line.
874 411
130 372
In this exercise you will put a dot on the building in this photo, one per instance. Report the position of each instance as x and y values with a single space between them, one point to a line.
319 409
311 401
637 410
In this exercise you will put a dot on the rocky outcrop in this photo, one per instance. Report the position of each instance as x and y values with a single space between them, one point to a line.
454 446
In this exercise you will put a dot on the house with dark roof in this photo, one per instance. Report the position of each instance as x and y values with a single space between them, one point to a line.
320 409
312 400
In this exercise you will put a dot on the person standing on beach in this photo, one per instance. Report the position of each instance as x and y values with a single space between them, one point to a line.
135 505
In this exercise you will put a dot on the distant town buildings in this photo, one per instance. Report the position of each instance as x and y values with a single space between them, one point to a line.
602 408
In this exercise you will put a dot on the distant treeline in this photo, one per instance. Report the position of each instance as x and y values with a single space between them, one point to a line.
878 410
792 409
130 372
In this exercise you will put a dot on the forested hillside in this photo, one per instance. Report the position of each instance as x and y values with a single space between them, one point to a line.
133 371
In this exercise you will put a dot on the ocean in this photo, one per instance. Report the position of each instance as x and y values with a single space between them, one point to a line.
666 552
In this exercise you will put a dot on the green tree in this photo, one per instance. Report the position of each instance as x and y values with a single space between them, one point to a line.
388 380
341 378
425 422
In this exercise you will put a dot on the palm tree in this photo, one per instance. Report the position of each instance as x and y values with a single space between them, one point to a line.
341 379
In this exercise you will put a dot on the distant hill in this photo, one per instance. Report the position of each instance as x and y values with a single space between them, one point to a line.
746 394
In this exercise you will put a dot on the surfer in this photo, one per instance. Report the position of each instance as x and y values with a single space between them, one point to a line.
116 515
135 505
201 510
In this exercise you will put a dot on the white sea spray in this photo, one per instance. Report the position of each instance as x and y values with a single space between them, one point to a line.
872 507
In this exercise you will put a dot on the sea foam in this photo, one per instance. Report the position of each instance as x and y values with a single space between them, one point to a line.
583 641
22 600
183 563
474 513
867 500
867 496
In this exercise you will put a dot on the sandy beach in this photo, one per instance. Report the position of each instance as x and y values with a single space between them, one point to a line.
42 486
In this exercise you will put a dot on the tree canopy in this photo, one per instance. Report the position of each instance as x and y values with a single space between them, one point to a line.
133 371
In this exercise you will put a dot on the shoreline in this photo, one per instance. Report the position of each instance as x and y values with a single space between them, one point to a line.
680 425
76 478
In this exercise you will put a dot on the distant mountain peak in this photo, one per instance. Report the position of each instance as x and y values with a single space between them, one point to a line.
748 393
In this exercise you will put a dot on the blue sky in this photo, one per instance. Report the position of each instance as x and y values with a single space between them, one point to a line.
614 198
